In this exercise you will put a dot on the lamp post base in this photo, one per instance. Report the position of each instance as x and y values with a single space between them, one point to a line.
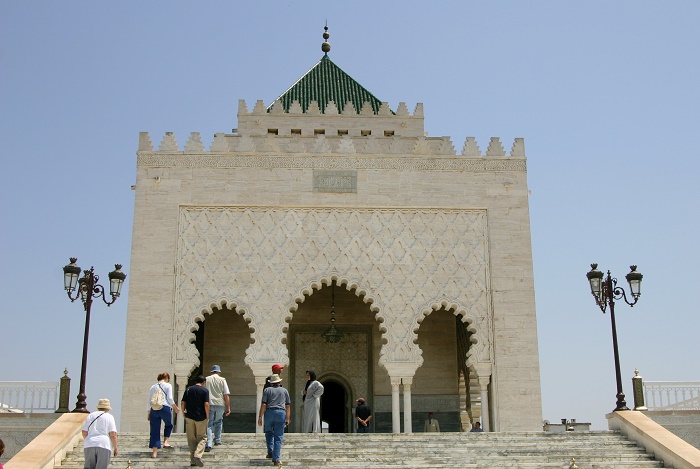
621 404
81 405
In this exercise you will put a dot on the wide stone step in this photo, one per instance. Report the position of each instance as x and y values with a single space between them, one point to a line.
594 450
357 464
442 440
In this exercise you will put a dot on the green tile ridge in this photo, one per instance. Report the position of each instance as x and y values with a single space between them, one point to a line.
327 82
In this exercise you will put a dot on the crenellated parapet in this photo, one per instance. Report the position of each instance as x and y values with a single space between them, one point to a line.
371 137
324 144
275 120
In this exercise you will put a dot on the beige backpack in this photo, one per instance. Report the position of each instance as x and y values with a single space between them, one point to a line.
158 399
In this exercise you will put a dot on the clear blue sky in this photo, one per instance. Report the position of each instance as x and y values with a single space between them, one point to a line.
605 94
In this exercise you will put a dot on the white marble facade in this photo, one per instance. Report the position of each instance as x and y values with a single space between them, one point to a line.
292 201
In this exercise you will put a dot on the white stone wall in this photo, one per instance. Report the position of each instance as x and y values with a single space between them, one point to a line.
242 226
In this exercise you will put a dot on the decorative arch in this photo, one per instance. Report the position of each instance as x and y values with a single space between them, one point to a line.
480 328
345 383
350 285
341 378
191 352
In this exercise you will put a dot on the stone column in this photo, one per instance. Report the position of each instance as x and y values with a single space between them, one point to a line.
395 406
401 373
484 387
483 372
259 385
181 383
638 390
407 416
64 394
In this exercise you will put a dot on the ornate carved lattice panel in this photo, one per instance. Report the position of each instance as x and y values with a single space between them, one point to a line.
264 260
348 358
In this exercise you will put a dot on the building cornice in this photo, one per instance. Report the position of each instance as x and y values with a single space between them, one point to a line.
405 163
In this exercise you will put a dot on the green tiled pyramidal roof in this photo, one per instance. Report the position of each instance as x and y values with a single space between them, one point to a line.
327 82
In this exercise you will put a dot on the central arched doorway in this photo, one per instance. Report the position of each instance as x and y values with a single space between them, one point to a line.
333 406
345 367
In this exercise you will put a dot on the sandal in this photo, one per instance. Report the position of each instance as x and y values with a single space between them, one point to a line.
168 447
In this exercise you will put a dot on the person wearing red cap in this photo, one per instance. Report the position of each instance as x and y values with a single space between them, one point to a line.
276 370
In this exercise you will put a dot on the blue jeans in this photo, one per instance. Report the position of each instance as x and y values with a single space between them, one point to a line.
274 431
164 415
216 424
361 429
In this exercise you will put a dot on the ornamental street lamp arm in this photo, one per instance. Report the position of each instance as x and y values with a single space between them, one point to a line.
87 289
611 292
619 294
605 291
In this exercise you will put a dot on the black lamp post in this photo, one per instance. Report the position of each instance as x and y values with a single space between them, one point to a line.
87 289
606 291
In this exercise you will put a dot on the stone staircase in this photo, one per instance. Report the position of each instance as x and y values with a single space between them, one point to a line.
591 450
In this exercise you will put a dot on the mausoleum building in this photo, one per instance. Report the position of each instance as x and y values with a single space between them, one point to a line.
328 232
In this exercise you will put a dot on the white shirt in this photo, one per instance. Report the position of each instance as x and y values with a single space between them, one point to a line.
98 434
218 388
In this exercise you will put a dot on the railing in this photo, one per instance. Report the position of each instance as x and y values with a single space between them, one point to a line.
672 395
48 449
655 439
28 396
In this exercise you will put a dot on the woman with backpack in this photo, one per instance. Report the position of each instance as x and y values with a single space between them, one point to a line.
160 407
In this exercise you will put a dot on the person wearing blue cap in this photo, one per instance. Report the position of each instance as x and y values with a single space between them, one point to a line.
219 406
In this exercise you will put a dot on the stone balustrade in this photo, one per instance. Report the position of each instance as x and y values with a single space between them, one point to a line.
28 396
672 395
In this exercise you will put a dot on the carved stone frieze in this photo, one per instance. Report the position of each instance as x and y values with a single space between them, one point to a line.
263 261
328 162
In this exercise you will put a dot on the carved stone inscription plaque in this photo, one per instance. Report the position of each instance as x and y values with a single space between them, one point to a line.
335 181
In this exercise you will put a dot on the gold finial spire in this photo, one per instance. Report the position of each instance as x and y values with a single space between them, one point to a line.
326 46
